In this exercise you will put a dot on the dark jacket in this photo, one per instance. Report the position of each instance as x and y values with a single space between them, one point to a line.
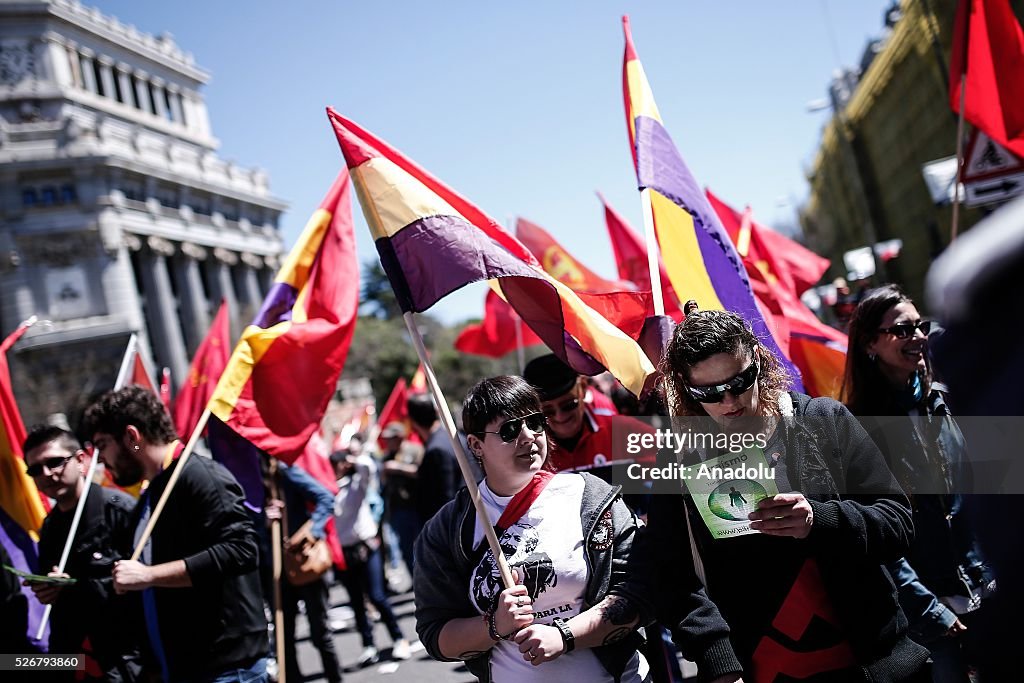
445 560
861 521
89 607
438 476
218 623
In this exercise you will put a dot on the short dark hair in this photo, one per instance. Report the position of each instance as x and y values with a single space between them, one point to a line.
703 334
421 410
114 411
42 434
502 395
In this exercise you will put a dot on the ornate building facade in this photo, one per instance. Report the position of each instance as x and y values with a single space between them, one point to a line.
116 213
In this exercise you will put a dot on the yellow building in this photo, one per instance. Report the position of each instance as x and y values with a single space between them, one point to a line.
866 179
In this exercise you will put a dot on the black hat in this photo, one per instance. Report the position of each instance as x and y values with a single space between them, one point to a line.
550 376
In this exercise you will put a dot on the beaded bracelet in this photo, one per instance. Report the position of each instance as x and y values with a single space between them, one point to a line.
492 631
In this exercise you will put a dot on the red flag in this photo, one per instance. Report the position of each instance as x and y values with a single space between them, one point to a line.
210 360
418 383
495 335
631 259
817 350
395 408
140 375
282 373
557 261
988 51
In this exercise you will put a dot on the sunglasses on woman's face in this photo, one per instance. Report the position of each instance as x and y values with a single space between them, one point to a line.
50 465
737 386
906 330
510 429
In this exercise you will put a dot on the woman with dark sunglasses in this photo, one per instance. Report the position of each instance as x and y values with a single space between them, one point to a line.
808 597
573 614
890 385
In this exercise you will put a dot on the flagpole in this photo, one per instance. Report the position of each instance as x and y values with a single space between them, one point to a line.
520 351
122 377
275 544
467 472
182 460
651 241
955 223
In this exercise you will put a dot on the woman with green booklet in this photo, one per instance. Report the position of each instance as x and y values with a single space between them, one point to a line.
807 596
573 613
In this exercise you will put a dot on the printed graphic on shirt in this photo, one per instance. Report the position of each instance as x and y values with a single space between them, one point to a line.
535 569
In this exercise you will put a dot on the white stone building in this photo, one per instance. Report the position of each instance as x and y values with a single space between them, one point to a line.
116 213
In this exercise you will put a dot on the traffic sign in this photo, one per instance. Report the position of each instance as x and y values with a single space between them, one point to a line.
985 159
997 189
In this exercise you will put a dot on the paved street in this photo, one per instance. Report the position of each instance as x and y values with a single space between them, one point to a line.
419 668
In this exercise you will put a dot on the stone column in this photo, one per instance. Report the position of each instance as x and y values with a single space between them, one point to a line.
161 310
142 91
56 58
195 312
253 264
88 75
107 77
158 97
174 95
218 275
125 81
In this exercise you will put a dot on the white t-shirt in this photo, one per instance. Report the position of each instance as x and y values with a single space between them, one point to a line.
353 519
546 545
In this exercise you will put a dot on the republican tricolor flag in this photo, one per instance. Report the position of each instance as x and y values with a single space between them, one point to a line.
699 258
432 241
284 369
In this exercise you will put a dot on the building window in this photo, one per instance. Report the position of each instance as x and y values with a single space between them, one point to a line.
181 108
118 95
135 92
168 112
29 197
152 98
48 196
68 195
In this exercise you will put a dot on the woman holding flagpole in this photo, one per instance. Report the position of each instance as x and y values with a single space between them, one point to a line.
573 612
800 579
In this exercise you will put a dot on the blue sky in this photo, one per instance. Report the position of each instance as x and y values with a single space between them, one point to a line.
519 105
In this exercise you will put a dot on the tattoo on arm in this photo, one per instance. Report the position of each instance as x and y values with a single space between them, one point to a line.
471 654
616 635
618 611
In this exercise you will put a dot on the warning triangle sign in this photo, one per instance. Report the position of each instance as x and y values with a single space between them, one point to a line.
986 159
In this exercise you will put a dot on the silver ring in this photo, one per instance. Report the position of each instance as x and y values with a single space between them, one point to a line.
519 602
533 655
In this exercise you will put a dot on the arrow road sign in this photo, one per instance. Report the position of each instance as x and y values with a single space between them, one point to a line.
995 190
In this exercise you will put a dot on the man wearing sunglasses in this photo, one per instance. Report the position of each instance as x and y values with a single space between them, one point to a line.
87 608
583 435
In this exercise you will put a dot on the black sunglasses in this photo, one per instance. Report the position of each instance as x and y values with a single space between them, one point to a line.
737 386
55 464
564 407
906 330
510 429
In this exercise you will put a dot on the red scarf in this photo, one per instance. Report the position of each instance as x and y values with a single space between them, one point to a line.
522 501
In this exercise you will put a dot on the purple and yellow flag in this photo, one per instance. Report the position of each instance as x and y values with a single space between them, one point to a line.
285 368
699 257
432 241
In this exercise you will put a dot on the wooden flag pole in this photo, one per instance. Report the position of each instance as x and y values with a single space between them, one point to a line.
651 241
959 160
275 544
467 472
182 460
122 377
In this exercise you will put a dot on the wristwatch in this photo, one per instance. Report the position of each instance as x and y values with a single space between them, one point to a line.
567 637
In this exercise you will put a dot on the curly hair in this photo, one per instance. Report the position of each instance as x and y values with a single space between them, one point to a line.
114 411
703 334
504 395
865 390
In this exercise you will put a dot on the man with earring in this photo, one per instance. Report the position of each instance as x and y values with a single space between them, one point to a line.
87 608
198 573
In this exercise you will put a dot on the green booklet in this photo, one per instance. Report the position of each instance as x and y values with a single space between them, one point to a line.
37 578
726 489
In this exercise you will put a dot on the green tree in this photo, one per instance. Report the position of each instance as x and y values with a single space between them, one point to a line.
376 297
